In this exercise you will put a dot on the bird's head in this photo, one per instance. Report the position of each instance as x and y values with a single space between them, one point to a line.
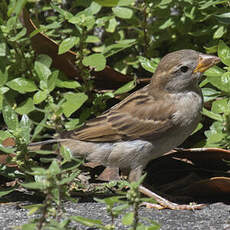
181 70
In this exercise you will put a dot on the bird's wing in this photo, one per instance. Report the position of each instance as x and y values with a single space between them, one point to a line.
139 116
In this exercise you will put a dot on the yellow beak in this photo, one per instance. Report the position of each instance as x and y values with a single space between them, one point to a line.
205 62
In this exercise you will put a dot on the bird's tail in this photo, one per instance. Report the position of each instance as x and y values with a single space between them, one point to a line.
51 141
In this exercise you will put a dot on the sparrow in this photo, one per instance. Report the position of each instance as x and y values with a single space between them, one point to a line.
149 122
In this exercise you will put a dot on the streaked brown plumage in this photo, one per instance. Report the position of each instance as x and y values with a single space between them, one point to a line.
125 122
149 122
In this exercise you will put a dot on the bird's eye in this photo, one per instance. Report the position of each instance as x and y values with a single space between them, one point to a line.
184 69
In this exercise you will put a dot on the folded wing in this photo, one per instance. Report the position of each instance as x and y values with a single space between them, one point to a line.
139 116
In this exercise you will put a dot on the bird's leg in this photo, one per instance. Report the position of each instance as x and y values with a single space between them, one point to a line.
163 203
135 174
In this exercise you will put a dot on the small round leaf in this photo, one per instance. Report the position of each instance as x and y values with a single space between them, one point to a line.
96 61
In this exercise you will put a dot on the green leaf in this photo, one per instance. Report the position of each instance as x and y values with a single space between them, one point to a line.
199 127
72 124
3 90
29 226
210 94
128 218
149 64
212 115
67 44
102 21
83 19
53 25
67 15
96 61
73 102
65 153
110 201
46 160
203 83
118 209
207 4
44 152
22 85
69 179
39 174
36 185
168 23
3 76
55 192
54 168
40 96
7 149
111 3
25 125
219 32
94 8
10 25
42 70
72 165
19 6
33 208
126 88
126 2
214 135
44 59
10 117
211 49
44 85
18 35
40 126
92 39
224 18
222 83
107 3
214 71
69 84
52 80
25 107
221 106
86 221
153 224
116 48
2 49
164 2
122 12
224 53
4 135
112 25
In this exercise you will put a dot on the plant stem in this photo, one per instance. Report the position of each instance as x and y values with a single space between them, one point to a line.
136 219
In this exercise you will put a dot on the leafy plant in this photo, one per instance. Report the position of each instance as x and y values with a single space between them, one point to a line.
54 183
218 135
120 205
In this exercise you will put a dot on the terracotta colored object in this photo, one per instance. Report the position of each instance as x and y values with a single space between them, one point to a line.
8 142
198 172
66 62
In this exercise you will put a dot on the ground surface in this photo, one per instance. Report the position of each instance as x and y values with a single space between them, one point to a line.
213 217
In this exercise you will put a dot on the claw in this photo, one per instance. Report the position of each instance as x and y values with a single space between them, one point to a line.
163 203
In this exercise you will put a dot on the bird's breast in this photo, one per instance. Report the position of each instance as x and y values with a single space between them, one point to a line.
188 112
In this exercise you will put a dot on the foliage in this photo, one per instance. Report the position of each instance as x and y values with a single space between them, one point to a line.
118 205
219 133
38 101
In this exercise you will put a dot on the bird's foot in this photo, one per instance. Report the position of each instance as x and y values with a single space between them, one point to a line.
173 206
163 203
